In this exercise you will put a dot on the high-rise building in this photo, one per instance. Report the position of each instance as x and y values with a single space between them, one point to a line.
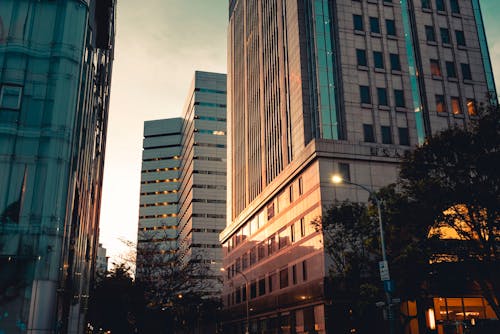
101 264
55 75
183 184
322 87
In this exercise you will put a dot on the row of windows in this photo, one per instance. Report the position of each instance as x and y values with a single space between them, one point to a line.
209 172
165 215
390 25
441 6
159 170
174 157
205 246
208 90
209 118
156 240
206 230
378 60
430 36
365 96
455 104
386 132
159 181
275 280
209 158
209 104
158 204
209 145
208 215
156 228
286 236
209 186
204 200
259 220
451 70
210 132
159 192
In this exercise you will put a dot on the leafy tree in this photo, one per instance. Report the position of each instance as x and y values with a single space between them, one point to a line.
116 303
453 184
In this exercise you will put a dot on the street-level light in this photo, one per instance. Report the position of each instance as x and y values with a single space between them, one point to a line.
384 264
247 295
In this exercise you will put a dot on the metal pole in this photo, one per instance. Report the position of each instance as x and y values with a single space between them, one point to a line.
384 254
247 295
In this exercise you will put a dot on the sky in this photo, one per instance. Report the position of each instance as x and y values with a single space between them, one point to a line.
159 45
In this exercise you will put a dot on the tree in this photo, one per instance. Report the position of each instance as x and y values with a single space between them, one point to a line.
453 184
115 302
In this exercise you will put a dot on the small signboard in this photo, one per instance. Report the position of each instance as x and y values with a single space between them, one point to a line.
384 271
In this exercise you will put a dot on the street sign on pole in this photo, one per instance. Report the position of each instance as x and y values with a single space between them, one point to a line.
384 271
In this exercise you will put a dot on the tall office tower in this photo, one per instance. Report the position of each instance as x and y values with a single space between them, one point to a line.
161 160
183 186
55 75
319 87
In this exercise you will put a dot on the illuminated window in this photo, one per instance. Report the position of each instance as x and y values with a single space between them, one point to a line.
440 105
471 107
455 106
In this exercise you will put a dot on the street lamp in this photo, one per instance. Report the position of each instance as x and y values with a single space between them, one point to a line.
247 295
383 265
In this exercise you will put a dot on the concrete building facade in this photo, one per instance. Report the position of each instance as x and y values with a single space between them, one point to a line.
323 87
183 184
55 75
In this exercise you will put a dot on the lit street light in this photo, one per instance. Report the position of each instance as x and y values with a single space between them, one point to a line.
383 265
247 327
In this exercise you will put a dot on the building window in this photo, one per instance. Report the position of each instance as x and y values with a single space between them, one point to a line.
361 57
364 92
253 289
390 26
374 25
399 97
292 232
430 35
450 69
270 282
10 97
460 36
304 270
270 211
368 133
404 136
435 68
290 193
382 97
358 22
262 286
244 262
253 256
294 274
455 106
284 278
455 8
386 134
445 35
440 5
466 73
301 186
395 63
378 59
345 171
440 106
426 4
471 107
261 250
302 227
270 245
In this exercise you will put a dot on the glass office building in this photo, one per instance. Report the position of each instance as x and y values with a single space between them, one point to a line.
55 75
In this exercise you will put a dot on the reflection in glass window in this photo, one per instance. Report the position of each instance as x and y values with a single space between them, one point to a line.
358 22
374 25
430 35
435 68
364 92
390 26
361 57
471 107
378 59
10 97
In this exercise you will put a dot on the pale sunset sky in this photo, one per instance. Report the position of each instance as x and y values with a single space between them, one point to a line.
159 45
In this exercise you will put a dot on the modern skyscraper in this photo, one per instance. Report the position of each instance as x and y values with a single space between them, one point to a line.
319 87
183 184
55 75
